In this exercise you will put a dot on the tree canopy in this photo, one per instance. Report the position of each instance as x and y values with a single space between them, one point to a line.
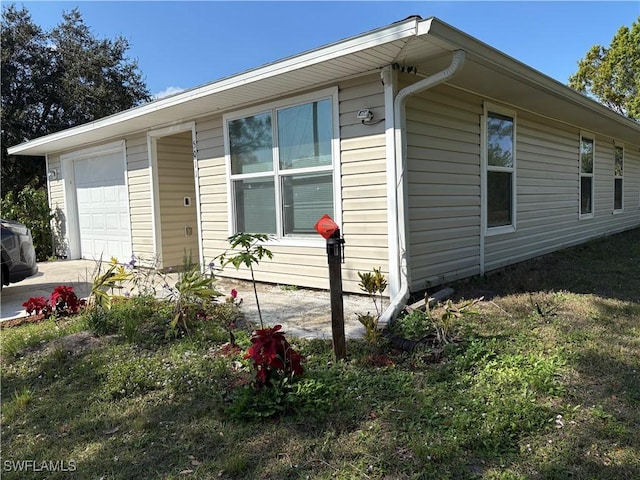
611 75
57 79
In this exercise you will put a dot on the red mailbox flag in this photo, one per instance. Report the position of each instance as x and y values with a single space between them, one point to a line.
326 226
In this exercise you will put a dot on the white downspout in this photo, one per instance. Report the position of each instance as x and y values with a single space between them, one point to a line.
399 210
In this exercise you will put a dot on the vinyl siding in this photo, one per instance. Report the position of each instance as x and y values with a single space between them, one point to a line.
363 179
176 181
443 128
213 186
547 172
57 206
140 198
632 180
443 172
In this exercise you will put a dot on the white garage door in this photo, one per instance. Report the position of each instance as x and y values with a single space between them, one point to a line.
102 207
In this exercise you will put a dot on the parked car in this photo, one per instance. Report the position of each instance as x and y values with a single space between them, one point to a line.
18 255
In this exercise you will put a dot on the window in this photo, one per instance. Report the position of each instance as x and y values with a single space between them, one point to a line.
618 176
586 176
281 166
500 165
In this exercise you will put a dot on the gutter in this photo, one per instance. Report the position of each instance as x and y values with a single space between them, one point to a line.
399 282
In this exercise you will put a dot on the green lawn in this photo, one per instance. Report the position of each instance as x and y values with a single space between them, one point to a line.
543 384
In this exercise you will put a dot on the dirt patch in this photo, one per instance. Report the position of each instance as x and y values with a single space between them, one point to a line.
77 343
21 321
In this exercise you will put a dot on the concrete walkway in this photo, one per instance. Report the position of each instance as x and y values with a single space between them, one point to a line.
302 312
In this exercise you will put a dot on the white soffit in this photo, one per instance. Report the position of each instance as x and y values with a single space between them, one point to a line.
357 55
409 42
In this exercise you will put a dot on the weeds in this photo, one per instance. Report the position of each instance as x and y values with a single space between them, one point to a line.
522 395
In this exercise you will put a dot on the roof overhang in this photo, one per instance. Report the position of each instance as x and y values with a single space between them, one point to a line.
412 41
515 83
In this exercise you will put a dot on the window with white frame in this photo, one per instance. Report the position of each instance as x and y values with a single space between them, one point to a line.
618 179
586 175
500 170
281 165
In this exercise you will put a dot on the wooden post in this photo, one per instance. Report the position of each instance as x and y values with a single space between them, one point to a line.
334 256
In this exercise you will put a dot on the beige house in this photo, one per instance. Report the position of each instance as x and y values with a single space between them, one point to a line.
440 157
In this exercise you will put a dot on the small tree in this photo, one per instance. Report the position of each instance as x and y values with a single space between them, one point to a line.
374 284
248 251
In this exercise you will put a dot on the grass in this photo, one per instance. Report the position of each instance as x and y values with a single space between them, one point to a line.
544 385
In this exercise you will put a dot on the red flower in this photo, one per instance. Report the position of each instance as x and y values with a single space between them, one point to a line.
271 354
234 293
63 297
36 305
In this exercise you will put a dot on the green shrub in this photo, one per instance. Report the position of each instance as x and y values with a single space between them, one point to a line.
414 325
101 322
131 317
31 207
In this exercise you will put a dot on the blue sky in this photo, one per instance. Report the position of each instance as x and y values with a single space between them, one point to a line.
183 44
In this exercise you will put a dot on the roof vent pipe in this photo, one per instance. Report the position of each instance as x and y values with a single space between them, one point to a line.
399 300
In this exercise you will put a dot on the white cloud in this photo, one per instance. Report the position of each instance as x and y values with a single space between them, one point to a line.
167 92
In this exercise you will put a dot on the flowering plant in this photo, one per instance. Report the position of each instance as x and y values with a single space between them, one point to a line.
64 298
37 305
271 355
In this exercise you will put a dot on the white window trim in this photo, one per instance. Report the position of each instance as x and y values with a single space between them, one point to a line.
303 241
484 141
589 136
616 145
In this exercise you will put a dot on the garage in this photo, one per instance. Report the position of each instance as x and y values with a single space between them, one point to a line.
101 200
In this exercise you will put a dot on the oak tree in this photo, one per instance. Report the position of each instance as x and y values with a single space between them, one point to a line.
57 79
611 75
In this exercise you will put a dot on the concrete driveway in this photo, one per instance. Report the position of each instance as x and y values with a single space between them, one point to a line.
76 273
302 312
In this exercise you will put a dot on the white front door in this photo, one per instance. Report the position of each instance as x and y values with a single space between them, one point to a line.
103 214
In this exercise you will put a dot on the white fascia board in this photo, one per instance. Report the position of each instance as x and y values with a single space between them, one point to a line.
399 31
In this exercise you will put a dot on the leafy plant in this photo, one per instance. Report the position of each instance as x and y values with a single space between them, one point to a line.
227 314
370 324
444 324
105 283
435 327
249 253
100 321
64 300
414 325
272 357
374 284
249 403
37 305
190 296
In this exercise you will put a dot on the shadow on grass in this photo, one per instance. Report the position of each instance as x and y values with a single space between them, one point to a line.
607 267
154 432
